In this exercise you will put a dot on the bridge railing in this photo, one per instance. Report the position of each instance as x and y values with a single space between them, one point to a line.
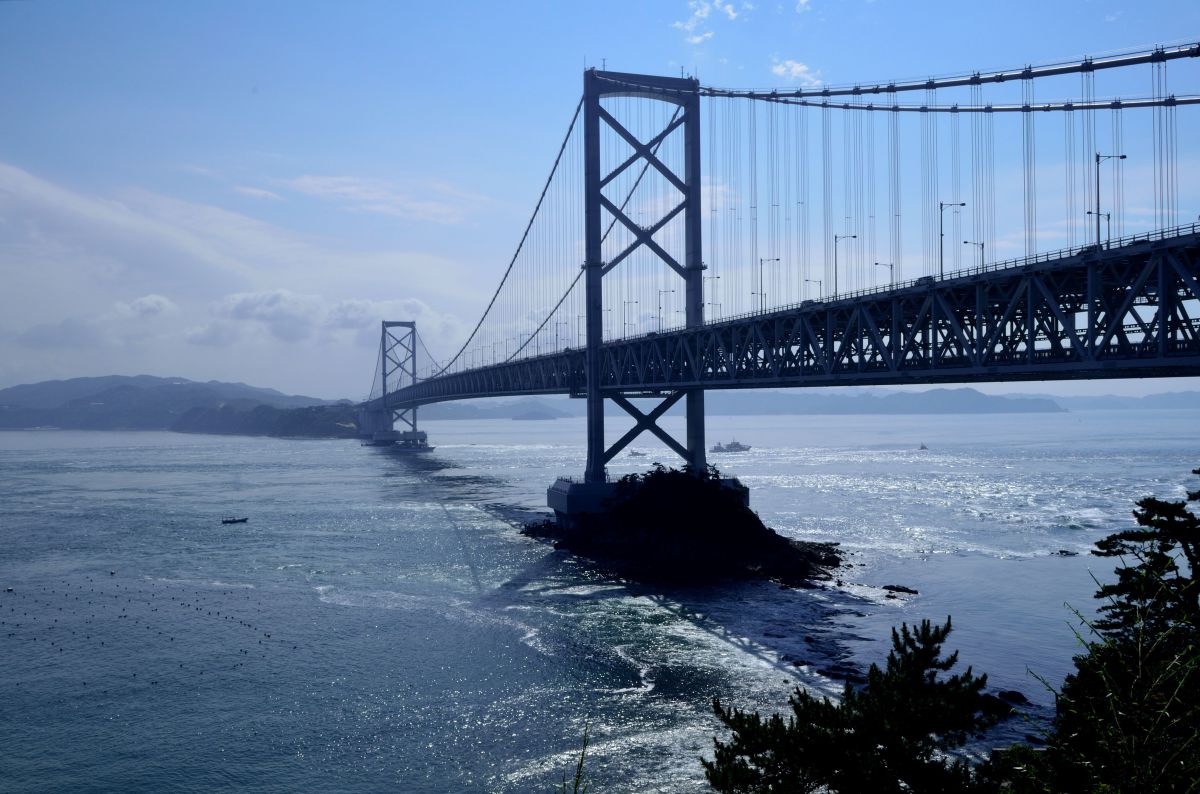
1005 264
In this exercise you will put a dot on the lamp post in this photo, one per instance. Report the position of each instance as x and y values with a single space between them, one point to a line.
556 325
816 281
1100 158
762 296
1107 223
968 242
891 266
942 234
836 238
714 304
624 322
662 292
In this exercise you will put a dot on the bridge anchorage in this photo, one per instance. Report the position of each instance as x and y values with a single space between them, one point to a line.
1076 305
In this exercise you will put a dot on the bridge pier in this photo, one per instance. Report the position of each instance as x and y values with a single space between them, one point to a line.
572 500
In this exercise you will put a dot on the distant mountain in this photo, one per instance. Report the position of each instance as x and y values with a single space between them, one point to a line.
145 402
317 421
821 401
524 408
768 403
1112 402
140 402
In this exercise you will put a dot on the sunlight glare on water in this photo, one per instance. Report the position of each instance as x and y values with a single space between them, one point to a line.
379 624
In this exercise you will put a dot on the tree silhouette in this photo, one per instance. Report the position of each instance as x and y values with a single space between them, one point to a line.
890 736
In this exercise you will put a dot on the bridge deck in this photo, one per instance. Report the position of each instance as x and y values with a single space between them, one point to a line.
1130 311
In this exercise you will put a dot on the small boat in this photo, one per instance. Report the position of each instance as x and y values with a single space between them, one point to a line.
922 447
633 453
732 446
232 520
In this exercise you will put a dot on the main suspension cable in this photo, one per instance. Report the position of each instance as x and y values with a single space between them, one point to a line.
562 148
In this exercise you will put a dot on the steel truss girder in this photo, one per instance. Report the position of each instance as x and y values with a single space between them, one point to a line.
1128 312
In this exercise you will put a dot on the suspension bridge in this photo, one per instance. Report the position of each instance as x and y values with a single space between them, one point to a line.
692 238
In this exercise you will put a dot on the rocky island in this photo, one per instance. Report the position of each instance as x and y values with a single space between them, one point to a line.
682 527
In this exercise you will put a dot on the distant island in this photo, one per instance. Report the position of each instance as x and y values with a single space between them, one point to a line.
146 402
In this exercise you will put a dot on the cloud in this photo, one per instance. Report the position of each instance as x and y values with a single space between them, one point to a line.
796 72
694 27
146 306
214 334
71 333
802 6
132 280
257 192
363 318
362 194
290 317
286 315
107 240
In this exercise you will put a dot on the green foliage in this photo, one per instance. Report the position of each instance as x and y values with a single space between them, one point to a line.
1128 718
1160 591
890 736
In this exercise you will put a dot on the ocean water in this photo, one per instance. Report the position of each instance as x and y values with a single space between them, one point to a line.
380 625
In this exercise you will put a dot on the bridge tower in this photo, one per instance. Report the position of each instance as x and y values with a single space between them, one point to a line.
603 211
599 208
397 369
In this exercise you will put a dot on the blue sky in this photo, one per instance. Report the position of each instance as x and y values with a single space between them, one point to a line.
240 191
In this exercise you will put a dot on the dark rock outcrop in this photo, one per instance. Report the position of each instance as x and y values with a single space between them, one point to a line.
676 526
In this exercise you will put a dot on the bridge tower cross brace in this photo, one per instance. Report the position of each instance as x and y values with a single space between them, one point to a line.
398 366
684 93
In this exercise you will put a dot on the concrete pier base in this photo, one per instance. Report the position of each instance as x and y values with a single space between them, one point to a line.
414 440
571 499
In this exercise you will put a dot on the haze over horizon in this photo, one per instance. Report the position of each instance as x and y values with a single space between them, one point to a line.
241 193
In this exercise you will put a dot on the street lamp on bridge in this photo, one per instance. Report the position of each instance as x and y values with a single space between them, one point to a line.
1100 158
762 296
891 266
1107 222
968 242
712 278
662 292
625 322
942 234
837 237
820 284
